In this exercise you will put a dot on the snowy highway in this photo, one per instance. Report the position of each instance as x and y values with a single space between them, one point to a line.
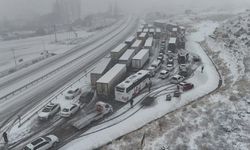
26 100
13 84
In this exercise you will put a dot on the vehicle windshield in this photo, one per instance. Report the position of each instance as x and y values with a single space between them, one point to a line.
47 109
119 89
65 110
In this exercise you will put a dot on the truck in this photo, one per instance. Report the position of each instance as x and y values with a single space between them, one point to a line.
149 43
126 58
105 85
172 44
101 109
129 41
139 60
100 69
117 52
137 45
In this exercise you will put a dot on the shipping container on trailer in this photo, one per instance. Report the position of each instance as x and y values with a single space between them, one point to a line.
117 52
143 36
139 60
100 69
130 40
151 32
149 43
137 45
126 58
145 30
105 85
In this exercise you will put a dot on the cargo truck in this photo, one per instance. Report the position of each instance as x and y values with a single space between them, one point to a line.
139 60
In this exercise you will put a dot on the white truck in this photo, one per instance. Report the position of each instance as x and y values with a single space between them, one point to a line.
101 109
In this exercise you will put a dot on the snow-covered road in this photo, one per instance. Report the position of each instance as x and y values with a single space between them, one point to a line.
28 99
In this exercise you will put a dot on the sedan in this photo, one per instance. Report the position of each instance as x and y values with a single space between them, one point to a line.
184 86
69 110
48 111
42 143
177 79
71 94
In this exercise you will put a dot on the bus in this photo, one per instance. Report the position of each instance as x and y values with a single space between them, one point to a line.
132 86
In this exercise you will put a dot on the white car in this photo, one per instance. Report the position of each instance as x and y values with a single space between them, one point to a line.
71 94
48 111
177 79
164 74
42 143
170 67
69 110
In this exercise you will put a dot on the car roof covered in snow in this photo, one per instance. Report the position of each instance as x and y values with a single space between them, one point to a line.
108 76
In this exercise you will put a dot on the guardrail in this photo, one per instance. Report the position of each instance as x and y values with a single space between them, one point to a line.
52 97
15 92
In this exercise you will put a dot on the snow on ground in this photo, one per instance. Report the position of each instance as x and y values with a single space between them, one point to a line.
217 121
204 83
31 48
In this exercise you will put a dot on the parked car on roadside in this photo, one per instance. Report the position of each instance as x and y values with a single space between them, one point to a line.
42 143
48 111
184 86
170 60
177 79
69 110
73 93
164 74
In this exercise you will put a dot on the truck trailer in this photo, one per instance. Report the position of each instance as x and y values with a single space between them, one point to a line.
117 52
139 60
126 58
105 85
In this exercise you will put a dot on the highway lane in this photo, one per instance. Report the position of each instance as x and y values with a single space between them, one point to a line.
10 83
29 99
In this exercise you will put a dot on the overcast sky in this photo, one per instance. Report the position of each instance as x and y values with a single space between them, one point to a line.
25 8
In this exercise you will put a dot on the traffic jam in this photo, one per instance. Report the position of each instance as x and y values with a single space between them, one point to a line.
153 57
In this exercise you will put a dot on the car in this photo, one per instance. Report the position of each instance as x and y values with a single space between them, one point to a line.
160 58
182 67
170 67
48 111
168 97
177 94
69 110
177 79
184 86
170 60
73 93
42 143
161 54
196 59
164 74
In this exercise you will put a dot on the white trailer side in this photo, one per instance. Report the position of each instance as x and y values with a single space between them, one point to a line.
126 58
139 60
149 43
117 52
105 85
101 68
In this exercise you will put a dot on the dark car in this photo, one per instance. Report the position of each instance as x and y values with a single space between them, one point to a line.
184 86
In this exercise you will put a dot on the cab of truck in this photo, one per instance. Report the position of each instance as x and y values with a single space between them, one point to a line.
154 67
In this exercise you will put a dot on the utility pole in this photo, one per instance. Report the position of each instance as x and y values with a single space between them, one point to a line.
55 33
14 56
